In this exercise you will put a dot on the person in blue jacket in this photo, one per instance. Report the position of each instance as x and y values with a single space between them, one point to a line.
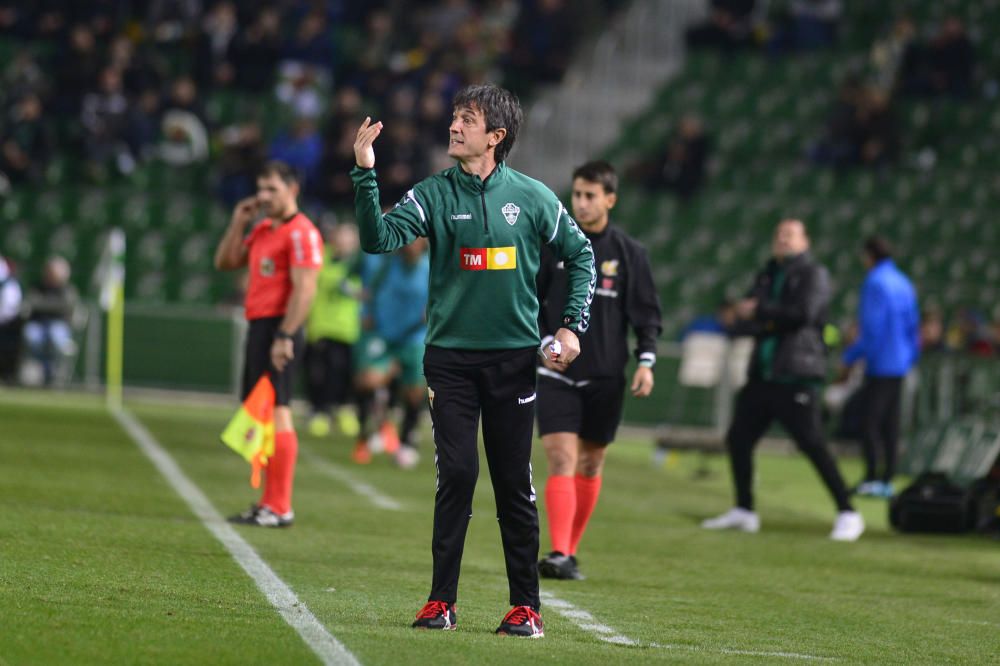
889 343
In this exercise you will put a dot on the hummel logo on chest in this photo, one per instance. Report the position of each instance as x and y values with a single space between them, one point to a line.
462 216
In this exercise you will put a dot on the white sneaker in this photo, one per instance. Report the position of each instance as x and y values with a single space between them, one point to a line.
848 526
734 519
407 457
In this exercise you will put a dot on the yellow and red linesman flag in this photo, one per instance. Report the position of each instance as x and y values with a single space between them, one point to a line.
251 431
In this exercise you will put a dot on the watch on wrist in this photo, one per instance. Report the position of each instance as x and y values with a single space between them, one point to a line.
282 335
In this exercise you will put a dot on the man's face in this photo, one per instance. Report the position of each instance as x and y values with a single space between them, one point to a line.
789 239
867 261
344 239
468 137
590 202
276 197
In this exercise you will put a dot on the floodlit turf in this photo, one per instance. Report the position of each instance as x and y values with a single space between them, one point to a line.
100 562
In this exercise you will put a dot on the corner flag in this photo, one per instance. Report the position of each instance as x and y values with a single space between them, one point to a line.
251 431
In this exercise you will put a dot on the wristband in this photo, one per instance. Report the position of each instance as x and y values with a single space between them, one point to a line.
282 335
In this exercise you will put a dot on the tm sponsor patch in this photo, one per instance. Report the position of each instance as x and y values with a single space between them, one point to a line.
488 258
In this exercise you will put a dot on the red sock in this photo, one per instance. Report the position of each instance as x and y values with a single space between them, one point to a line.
280 471
587 490
560 502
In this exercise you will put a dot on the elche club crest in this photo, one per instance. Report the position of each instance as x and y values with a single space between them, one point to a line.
510 212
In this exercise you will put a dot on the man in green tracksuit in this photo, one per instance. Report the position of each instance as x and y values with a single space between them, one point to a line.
333 326
486 224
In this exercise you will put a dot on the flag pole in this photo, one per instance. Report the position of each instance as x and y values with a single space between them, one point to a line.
113 302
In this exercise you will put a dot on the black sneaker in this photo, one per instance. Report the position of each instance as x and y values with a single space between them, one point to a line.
522 621
436 615
559 566
576 569
262 516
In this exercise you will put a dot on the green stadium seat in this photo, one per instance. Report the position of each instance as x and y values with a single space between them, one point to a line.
19 205
195 288
62 241
17 242
151 249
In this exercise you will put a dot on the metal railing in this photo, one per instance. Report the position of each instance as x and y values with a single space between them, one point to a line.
943 387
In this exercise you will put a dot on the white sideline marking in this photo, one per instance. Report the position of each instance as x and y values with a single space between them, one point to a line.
329 650
362 488
744 653
587 623
981 623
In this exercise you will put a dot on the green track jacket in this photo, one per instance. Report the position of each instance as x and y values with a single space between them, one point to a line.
485 239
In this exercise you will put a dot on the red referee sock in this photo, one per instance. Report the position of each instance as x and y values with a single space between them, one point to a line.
587 490
560 502
280 472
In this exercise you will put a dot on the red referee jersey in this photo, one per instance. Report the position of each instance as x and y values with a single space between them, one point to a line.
274 251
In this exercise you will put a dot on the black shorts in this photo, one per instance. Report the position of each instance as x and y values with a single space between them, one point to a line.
257 359
329 373
592 408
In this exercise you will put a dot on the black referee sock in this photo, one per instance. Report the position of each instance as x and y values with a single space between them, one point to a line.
366 405
411 416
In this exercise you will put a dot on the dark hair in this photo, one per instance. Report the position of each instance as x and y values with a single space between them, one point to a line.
280 169
878 248
501 109
600 172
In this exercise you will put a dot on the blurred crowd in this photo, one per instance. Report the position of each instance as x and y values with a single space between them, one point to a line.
123 83
38 324
862 128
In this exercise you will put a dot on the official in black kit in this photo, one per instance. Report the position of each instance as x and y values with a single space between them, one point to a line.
785 311
580 407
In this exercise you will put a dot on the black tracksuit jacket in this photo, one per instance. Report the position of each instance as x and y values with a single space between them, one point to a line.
625 296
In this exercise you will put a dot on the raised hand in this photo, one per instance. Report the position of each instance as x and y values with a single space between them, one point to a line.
364 153
246 211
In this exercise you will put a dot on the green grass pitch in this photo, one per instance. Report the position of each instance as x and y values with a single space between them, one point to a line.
102 563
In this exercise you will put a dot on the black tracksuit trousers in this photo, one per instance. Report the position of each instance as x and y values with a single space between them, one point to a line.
797 409
883 398
500 385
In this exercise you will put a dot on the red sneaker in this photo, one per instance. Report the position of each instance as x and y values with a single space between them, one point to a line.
522 621
390 438
436 615
361 454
